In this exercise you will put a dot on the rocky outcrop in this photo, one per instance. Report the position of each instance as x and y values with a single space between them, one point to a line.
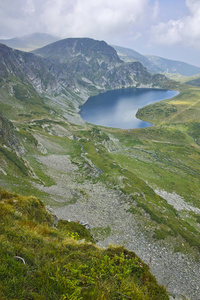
8 136
27 67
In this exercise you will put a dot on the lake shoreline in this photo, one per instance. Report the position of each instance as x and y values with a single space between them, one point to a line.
118 108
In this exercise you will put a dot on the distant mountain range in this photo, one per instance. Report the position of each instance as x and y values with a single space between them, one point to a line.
128 55
154 64
29 42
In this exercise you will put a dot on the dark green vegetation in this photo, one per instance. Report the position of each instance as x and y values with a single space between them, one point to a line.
58 264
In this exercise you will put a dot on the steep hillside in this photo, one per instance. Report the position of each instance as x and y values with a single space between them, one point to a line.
26 67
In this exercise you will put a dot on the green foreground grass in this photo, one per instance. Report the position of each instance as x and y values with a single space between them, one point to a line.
41 260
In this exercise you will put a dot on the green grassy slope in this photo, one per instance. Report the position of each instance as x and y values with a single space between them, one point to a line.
42 261
164 157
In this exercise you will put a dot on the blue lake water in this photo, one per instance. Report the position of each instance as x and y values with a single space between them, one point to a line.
118 108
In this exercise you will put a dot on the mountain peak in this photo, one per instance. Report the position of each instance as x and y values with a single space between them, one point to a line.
66 49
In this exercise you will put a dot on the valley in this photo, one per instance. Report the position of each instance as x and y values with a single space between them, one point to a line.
133 187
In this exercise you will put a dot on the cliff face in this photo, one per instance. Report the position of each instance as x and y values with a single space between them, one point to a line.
8 137
27 67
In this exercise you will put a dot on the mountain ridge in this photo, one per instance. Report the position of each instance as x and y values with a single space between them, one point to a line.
158 64
98 62
67 64
174 66
64 50
154 64
128 54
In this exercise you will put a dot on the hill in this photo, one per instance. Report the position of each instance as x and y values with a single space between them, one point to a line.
195 80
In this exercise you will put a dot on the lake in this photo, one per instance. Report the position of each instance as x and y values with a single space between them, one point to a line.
118 108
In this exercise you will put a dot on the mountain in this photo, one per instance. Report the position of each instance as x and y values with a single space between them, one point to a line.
174 66
29 42
127 54
68 72
95 64
64 50
84 66
155 64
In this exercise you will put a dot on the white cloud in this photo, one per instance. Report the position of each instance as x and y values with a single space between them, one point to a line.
181 31
64 18
91 18
29 7
156 9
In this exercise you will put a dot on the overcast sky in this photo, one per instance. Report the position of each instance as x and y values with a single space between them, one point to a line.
168 28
